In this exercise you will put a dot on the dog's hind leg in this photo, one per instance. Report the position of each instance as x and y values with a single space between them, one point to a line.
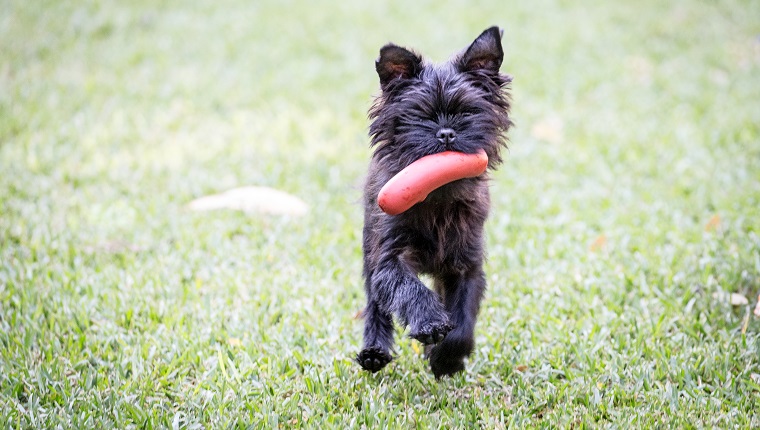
378 338
462 296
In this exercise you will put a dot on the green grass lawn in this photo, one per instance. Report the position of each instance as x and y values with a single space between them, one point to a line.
627 208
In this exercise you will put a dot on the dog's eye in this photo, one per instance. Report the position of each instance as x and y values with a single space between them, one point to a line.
466 113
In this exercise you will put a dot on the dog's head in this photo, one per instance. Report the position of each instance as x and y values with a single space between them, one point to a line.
459 105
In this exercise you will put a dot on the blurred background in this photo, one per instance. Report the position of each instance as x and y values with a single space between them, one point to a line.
631 190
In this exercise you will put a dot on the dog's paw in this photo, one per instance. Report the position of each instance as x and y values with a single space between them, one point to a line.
431 333
447 358
373 359
445 366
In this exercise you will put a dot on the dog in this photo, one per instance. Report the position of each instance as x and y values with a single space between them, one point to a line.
422 109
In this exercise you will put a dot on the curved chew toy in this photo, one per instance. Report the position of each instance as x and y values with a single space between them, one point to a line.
413 184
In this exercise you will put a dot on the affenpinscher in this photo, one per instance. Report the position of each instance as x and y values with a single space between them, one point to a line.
423 108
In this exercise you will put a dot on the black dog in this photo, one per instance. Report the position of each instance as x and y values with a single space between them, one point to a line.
460 105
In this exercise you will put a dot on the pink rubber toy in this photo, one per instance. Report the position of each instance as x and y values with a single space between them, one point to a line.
413 184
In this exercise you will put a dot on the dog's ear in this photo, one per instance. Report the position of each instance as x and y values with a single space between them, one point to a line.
396 62
485 53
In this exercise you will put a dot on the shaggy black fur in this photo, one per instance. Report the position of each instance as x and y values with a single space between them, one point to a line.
460 105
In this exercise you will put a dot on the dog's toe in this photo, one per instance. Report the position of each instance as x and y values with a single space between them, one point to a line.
438 336
430 334
373 359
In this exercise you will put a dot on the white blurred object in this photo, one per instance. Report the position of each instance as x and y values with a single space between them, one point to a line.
734 298
252 199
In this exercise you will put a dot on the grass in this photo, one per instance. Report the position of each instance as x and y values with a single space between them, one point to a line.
630 197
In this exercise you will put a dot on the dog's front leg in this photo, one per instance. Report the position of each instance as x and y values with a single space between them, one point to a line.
463 293
395 287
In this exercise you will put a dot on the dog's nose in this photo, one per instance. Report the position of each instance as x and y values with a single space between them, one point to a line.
446 135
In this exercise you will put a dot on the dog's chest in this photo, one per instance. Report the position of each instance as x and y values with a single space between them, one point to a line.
443 237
